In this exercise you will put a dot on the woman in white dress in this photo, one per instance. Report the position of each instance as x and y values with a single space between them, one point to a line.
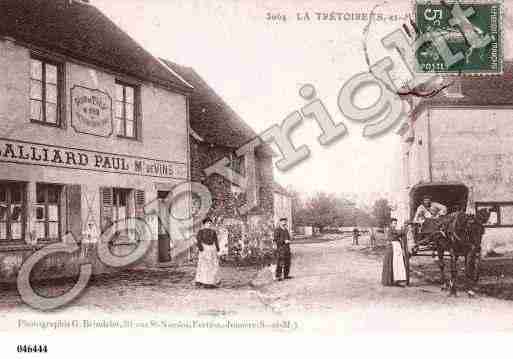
394 265
208 262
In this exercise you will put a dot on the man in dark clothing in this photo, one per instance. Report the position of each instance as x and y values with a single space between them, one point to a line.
282 240
356 234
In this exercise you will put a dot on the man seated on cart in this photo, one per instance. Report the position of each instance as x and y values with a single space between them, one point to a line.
428 214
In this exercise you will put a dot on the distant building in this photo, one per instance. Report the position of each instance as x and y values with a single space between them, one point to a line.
304 230
217 132
465 134
93 128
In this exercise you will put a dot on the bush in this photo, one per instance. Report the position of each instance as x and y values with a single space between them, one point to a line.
250 244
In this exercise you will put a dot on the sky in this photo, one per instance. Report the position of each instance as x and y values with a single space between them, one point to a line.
258 54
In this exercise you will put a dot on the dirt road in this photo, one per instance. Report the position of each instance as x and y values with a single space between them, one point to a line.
335 288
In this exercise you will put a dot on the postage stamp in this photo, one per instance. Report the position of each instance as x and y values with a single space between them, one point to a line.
471 30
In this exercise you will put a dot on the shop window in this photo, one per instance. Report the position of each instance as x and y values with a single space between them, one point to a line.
48 212
72 212
126 110
12 211
195 204
45 97
501 213
119 204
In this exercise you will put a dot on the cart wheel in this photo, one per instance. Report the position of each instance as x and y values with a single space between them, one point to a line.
474 267
477 267
407 269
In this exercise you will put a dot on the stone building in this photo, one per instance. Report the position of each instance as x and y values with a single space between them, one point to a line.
465 134
217 132
282 205
93 128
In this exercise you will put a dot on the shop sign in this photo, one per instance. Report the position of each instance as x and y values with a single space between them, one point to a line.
91 111
27 153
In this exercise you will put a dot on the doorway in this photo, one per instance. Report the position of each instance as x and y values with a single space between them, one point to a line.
164 238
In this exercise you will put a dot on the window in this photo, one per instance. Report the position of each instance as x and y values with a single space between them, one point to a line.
454 90
12 211
406 169
501 213
195 204
44 92
238 164
48 212
120 204
126 121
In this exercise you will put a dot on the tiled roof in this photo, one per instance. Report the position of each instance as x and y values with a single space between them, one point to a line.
211 117
82 32
486 90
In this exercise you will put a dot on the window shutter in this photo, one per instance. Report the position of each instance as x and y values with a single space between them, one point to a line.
138 113
106 211
61 93
140 202
74 210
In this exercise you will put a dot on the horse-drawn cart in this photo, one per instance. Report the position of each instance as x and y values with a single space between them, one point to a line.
455 234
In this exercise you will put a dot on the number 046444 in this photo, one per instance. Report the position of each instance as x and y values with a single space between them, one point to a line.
32 348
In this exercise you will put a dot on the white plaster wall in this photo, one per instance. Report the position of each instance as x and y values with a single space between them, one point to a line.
164 114
164 131
282 208
475 146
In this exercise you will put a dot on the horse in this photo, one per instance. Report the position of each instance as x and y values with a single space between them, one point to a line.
459 234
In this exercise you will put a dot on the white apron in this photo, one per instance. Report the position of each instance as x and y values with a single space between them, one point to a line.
208 265
398 267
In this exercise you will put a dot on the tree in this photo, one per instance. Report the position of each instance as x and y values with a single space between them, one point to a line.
382 212
322 210
346 212
328 209
363 219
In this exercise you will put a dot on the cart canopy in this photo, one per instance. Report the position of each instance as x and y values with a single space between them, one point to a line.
453 195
